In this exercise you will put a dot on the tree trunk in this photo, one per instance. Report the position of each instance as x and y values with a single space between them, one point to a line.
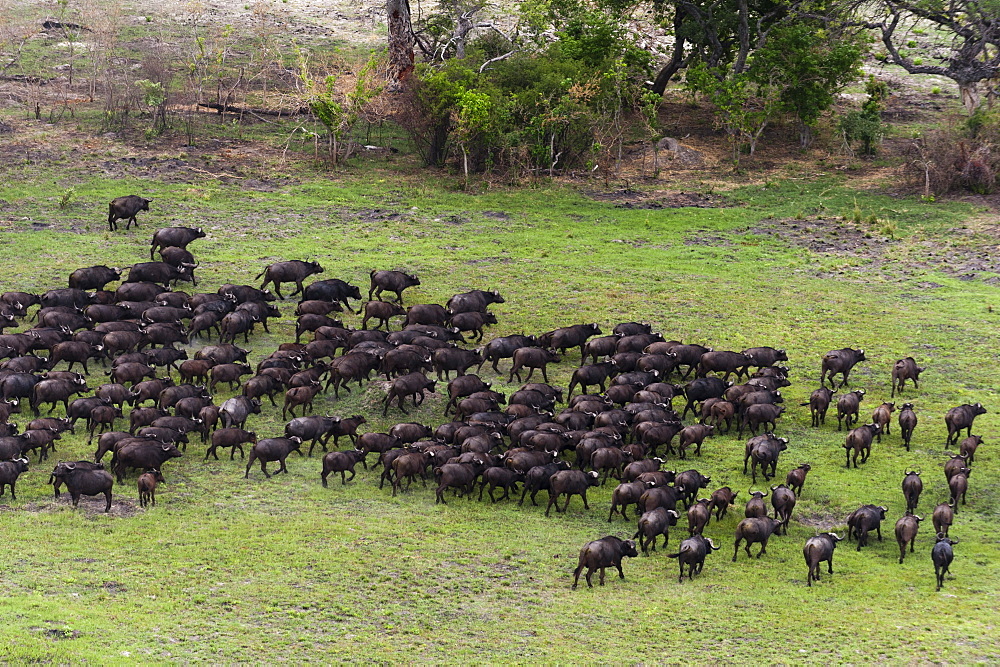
463 26
677 60
970 95
743 33
805 135
401 43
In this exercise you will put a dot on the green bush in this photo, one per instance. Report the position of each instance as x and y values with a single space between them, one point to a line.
866 126
984 123
546 108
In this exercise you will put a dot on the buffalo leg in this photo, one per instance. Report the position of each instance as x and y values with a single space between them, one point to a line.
569 497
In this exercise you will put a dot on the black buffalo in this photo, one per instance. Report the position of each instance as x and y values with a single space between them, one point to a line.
603 553
178 237
293 271
391 281
692 553
84 480
94 277
818 549
333 290
125 208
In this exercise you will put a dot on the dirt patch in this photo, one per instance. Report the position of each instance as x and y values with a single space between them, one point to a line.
819 521
634 199
114 587
966 257
91 507
825 235
377 215
706 238
58 633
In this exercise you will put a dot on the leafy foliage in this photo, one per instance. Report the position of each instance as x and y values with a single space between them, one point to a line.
339 111
541 108
866 126
810 66
798 71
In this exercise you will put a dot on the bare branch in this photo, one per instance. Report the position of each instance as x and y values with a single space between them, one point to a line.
497 59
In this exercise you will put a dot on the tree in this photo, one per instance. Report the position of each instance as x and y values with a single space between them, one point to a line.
719 33
401 42
969 53
797 70
810 65
744 106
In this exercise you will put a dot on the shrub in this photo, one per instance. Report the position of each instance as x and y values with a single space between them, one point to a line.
946 161
866 126
552 107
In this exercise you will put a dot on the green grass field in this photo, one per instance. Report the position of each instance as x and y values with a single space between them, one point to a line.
226 569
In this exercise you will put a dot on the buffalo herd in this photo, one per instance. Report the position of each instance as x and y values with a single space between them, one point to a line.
616 419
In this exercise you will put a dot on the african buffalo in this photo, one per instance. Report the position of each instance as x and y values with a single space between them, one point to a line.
961 417
391 281
819 403
903 370
83 480
292 271
178 237
475 301
94 277
652 524
818 549
906 532
863 520
839 361
692 553
125 208
146 485
942 555
603 553
757 529
272 449
342 462
907 423
571 483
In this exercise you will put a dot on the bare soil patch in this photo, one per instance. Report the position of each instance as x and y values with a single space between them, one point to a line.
967 258
820 521
657 199
91 507
826 235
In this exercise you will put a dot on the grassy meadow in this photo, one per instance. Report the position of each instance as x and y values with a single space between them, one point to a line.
226 569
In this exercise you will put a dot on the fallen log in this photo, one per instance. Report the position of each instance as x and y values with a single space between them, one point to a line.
228 108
